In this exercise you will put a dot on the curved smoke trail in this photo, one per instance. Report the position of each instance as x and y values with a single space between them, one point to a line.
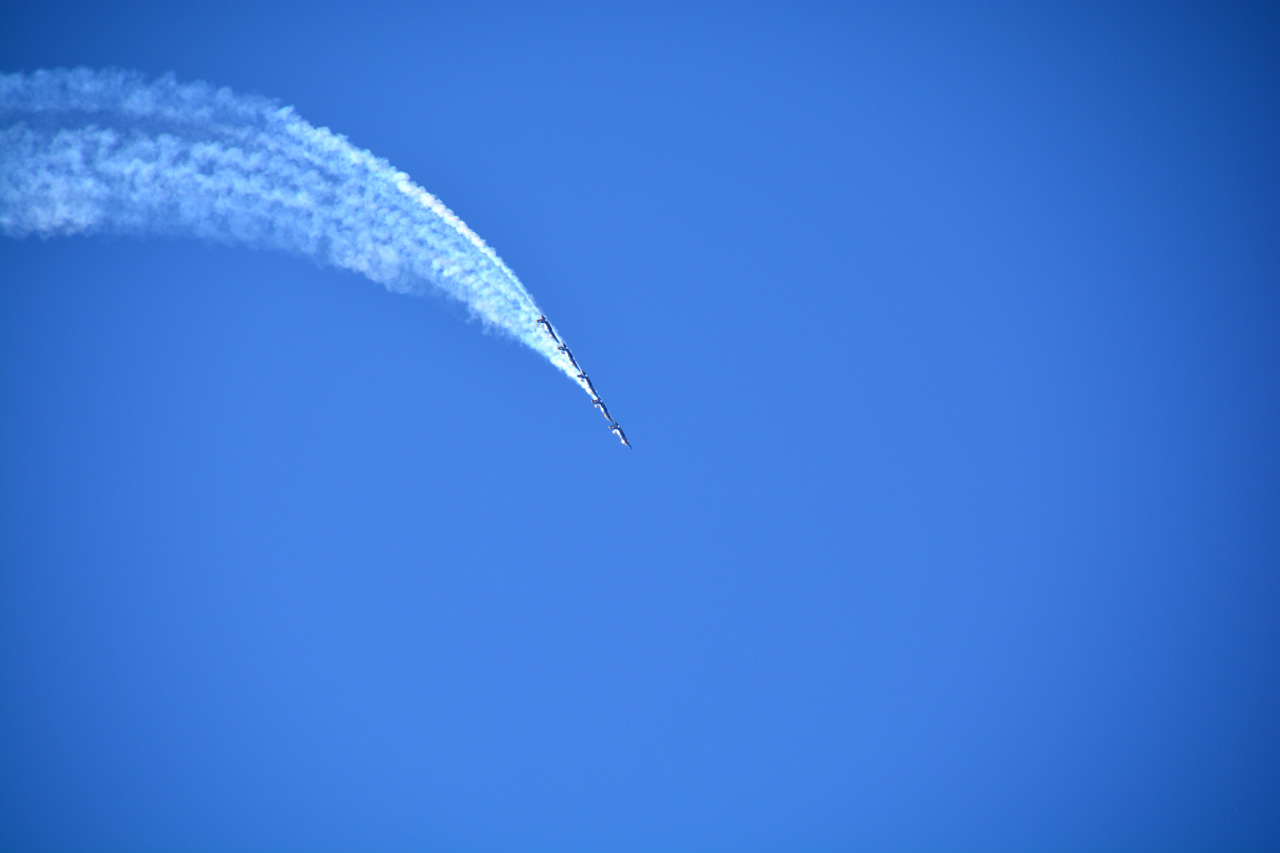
86 151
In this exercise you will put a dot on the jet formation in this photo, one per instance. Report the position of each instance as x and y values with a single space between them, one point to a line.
586 382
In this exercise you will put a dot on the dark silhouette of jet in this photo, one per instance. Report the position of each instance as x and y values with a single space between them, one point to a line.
543 321
599 404
622 436
564 349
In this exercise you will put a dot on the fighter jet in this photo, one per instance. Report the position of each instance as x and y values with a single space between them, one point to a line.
591 389
543 321
599 404
617 430
564 349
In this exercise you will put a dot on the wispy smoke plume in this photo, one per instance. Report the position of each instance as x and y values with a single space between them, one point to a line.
87 151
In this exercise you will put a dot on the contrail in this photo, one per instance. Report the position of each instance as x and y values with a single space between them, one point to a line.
109 151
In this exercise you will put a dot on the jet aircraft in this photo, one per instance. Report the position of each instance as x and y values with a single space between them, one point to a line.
543 321
564 349
617 430
599 404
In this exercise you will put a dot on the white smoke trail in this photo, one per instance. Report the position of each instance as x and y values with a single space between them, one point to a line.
84 151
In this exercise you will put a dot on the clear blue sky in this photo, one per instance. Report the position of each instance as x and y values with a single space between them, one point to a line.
947 339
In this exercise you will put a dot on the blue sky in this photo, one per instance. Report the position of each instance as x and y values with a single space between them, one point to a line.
947 339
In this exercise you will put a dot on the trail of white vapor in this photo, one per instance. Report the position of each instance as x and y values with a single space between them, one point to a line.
85 151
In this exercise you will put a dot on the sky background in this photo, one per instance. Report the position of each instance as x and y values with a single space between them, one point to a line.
946 335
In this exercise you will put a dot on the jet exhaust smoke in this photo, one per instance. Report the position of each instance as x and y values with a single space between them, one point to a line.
107 151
